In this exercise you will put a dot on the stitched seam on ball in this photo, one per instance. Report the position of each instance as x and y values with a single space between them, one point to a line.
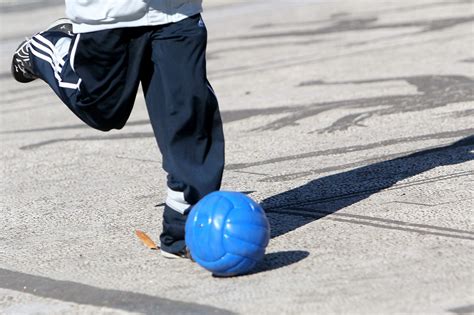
225 218
243 262
211 261
224 223
257 225
233 236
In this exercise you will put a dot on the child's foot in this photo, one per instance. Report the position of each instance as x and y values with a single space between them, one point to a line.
22 68
181 254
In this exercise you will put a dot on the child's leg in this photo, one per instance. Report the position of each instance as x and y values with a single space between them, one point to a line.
92 73
185 117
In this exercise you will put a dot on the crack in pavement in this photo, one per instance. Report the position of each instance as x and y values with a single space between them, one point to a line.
354 148
369 222
392 161
379 222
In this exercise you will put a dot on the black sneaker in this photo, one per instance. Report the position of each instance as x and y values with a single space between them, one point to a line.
22 69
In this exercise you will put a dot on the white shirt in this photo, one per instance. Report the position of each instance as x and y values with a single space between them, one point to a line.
96 15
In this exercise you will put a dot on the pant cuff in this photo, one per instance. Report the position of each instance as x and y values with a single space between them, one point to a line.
175 200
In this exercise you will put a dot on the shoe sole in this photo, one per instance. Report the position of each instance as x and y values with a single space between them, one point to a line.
170 255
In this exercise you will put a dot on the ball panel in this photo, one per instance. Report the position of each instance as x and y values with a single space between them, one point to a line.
242 248
217 215
241 199
249 215
253 234
206 220
248 225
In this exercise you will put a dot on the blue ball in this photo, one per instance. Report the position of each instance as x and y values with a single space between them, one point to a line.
227 233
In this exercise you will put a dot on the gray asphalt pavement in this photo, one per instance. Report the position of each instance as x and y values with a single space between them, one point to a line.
352 123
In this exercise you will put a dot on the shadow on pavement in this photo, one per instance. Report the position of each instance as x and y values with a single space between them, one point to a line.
115 300
327 195
278 260
468 309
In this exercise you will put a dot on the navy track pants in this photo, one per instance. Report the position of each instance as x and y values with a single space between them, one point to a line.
97 76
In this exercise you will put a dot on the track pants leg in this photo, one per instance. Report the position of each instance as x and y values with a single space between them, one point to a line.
95 74
185 117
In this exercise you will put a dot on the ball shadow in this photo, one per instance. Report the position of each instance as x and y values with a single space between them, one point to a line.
273 261
328 194
277 260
